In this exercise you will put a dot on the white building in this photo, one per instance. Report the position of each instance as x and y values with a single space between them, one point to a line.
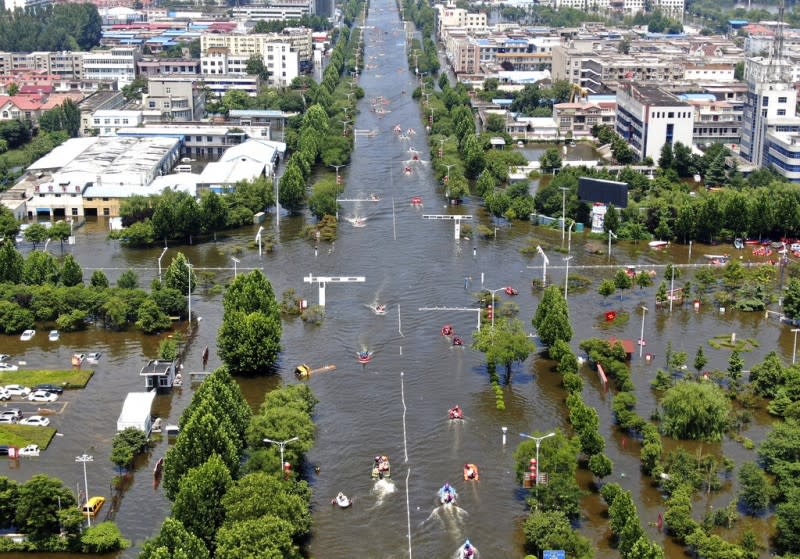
450 16
136 412
274 11
245 162
649 117
299 38
279 59
107 122
12 5
117 64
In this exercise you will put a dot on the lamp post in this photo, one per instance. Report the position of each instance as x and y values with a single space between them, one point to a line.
794 347
641 335
189 294
282 445
610 234
258 238
163 252
447 176
545 262
337 167
47 242
563 211
235 262
569 237
566 279
538 442
83 458
493 291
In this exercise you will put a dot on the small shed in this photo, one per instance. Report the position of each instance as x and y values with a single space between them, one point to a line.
158 373
136 412
627 346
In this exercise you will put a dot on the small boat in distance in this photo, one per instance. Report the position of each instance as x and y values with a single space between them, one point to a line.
342 501
467 551
511 291
27 335
447 494
381 467
416 201
447 330
93 357
53 336
364 356
457 341
455 412
380 310
738 243
658 244
471 472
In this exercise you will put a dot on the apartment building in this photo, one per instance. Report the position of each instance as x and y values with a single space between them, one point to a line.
279 59
154 67
450 16
106 122
648 117
175 98
274 11
61 64
116 65
576 119
715 121
299 39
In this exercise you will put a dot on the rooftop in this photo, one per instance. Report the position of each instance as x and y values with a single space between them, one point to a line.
650 95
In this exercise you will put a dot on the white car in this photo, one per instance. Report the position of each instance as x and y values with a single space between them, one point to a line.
4 395
7 420
53 335
4 357
13 413
42 396
27 335
30 450
18 390
36 420
7 367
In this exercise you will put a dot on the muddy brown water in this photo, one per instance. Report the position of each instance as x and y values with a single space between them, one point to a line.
360 413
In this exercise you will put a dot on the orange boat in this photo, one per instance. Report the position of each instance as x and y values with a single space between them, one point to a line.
471 472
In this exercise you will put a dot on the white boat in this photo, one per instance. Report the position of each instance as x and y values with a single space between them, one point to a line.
27 335
78 359
53 336
380 310
177 381
94 357
357 221
658 244
342 501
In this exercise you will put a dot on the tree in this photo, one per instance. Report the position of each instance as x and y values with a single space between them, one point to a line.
292 188
128 280
622 280
61 231
71 272
98 280
213 212
151 319
791 299
611 220
178 273
505 344
607 288
267 537
104 537
8 501
666 159
754 488
715 175
39 268
700 359
550 159
197 504
35 233
126 444
38 502
174 541
768 376
552 317
261 494
474 159
11 263
256 67
735 368
696 411
600 465
552 530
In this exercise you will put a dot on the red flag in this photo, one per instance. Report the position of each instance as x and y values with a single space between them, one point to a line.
660 522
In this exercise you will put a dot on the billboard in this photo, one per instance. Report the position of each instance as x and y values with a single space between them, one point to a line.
605 191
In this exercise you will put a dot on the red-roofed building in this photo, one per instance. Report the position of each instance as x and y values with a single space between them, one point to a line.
627 346
31 107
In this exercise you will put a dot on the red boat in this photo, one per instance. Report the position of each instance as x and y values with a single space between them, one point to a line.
457 341
511 291
455 412
416 201
364 356
447 330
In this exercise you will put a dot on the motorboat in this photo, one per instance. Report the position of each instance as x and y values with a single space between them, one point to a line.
364 356
658 244
407 170
457 341
380 310
381 467
416 201
511 291
78 359
738 243
342 501
53 336
447 494
357 221
302 371
94 357
177 382
27 335
447 330
455 412
471 472
467 551
717 258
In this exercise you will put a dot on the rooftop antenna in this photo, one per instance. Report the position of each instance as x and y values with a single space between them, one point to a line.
776 62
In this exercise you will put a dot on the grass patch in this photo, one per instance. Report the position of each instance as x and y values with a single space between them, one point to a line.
740 345
23 435
70 378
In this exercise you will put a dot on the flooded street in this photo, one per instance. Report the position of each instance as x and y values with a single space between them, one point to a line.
408 262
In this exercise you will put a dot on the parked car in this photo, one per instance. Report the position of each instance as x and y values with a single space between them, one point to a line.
7 367
18 390
30 450
54 388
14 413
27 335
4 357
4 450
7 420
36 420
93 357
93 505
53 335
42 396
4 394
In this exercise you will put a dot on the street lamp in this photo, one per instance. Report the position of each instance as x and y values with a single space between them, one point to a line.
163 252
545 262
493 291
189 291
337 167
83 458
47 242
569 237
235 262
563 211
641 336
566 279
282 445
447 176
794 347
610 234
538 442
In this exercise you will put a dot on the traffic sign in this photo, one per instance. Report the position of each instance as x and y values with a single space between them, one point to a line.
554 554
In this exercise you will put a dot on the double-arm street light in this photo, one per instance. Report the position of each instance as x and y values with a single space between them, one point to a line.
538 441
493 291
83 458
282 445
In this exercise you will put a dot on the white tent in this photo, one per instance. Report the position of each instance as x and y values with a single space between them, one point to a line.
136 411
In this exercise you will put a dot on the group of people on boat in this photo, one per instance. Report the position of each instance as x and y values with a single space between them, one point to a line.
467 550
364 356
447 331
342 500
447 494
380 467
455 412
470 472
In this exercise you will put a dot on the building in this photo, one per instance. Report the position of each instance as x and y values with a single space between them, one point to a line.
576 119
714 121
136 412
208 141
174 99
648 117
155 67
97 101
12 5
299 39
281 62
245 162
67 64
158 373
106 122
278 10
218 84
31 107
117 65
450 16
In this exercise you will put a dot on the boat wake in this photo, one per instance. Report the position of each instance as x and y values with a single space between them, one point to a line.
450 516
382 489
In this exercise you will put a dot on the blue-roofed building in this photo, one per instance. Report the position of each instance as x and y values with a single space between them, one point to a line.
737 23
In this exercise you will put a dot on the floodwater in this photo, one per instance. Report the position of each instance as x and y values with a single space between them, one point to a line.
397 404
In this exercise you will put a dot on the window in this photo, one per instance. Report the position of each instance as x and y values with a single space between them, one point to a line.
764 113
782 100
74 211
765 101
106 212
781 112
169 90
670 115
105 199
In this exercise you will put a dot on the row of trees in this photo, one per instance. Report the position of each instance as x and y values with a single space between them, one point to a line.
48 514
222 509
249 339
58 27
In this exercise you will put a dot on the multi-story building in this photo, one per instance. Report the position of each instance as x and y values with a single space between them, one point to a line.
274 11
299 39
116 65
649 117
30 107
280 61
61 64
153 67
106 122
176 99
218 84
450 16
576 119
96 101
714 71
12 5
714 121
